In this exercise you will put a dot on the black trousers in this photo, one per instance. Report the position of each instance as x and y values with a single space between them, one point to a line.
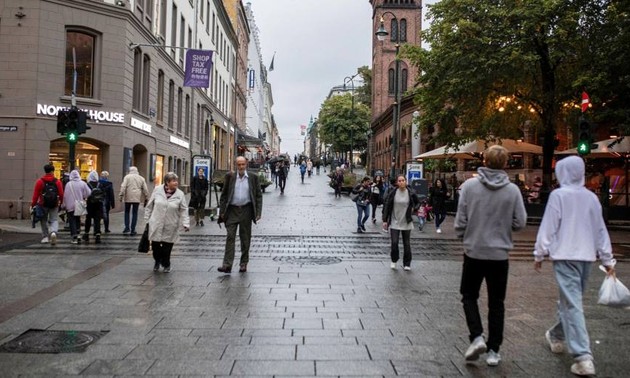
395 252
495 272
282 182
162 253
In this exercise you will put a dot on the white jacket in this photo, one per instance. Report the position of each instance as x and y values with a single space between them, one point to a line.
166 216
573 227
133 188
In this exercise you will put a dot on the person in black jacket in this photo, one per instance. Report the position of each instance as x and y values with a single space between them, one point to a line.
199 190
361 196
110 200
437 199
399 205
94 208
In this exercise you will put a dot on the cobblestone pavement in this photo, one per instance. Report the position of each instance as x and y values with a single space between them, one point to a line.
317 300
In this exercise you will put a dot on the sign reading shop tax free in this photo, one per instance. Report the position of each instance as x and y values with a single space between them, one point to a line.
95 115
198 68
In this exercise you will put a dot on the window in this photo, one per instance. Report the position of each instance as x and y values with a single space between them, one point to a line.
179 109
208 17
394 29
171 105
83 45
403 30
162 31
198 138
141 79
201 11
187 118
214 21
173 29
391 80
182 40
146 80
137 78
404 78
160 96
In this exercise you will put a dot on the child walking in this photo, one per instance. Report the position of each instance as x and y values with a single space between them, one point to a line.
422 213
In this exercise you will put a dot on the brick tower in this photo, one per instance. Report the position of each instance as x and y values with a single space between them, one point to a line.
402 20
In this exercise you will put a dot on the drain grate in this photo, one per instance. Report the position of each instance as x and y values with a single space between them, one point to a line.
43 341
308 260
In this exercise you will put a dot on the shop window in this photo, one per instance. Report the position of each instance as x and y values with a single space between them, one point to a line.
88 157
82 45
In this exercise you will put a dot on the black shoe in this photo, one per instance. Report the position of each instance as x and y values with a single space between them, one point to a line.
97 239
197 224
242 268
156 267
363 227
225 269
373 220
201 223
359 230
126 231
107 231
86 238
133 233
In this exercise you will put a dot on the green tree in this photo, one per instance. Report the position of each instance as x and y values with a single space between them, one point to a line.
342 126
493 65
364 92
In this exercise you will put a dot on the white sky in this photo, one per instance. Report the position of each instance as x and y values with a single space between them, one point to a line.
317 44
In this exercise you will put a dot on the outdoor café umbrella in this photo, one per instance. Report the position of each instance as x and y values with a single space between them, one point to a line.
472 149
608 148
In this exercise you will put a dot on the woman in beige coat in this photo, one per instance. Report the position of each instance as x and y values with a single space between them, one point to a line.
165 213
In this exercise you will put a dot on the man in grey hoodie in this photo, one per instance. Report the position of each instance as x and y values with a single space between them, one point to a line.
490 208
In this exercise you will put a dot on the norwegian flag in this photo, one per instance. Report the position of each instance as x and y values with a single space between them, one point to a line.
585 101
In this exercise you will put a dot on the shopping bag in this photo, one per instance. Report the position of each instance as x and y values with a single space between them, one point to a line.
613 292
80 208
143 246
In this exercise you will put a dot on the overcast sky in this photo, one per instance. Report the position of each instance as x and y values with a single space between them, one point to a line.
317 44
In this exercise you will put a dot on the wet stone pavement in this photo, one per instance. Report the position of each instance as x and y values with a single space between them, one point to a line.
318 300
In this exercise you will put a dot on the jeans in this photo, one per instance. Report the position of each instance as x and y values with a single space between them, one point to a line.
570 325
439 218
495 272
395 236
162 253
75 224
363 213
421 222
97 223
50 218
105 213
133 207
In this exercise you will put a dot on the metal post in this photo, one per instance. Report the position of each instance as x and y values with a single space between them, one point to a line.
396 109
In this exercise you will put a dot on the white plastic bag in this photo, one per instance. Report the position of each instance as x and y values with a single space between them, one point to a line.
613 292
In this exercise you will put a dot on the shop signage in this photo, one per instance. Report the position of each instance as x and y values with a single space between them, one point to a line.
140 125
179 142
198 68
95 115
8 128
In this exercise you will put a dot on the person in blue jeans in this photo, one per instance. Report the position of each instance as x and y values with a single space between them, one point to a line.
361 196
573 234
133 191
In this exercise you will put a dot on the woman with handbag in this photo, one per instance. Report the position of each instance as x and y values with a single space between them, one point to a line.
74 197
166 212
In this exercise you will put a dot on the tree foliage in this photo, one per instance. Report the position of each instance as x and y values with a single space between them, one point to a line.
531 59
342 126
364 92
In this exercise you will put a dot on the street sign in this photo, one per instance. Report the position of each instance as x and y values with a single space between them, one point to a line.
8 128
415 171
204 162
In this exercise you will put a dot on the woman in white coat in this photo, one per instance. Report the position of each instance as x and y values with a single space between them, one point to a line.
165 213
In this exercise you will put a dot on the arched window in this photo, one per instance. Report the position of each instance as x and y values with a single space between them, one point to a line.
82 45
394 29
404 77
403 30
180 105
160 96
141 80
391 81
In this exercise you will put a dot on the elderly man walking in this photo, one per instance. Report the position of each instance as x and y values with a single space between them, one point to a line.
133 191
239 206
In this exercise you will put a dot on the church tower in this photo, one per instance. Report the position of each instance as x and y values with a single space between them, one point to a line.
389 148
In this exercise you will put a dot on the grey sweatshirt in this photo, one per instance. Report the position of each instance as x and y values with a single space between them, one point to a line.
490 207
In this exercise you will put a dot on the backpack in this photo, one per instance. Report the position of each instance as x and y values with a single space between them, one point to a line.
50 195
97 196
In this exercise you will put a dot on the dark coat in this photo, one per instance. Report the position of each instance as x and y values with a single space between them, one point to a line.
227 193
198 192
437 198
108 188
388 206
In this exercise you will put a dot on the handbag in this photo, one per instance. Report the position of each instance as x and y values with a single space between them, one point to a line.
80 206
143 246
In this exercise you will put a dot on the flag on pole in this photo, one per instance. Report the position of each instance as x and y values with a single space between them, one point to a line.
585 101
272 59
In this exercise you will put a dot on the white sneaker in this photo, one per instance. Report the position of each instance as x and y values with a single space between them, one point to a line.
476 348
493 358
392 265
45 240
555 345
439 230
585 367
53 238
407 268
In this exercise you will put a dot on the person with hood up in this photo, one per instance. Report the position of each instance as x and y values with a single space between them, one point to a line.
76 190
133 191
110 199
48 195
573 234
94 208
490 208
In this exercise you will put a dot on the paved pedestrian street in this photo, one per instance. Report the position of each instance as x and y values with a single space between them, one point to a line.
318 299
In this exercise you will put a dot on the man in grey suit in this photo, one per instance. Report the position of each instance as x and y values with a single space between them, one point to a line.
239 206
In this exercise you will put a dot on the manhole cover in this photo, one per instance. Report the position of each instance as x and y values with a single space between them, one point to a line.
43 341
308 260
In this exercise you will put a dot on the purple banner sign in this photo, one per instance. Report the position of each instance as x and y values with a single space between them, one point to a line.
198 68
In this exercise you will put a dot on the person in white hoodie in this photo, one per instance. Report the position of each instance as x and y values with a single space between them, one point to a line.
490 208
572 233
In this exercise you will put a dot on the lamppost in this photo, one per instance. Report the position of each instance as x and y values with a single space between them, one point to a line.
381 34
351 80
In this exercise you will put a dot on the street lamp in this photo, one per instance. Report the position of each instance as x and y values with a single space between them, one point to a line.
351 80
381 34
